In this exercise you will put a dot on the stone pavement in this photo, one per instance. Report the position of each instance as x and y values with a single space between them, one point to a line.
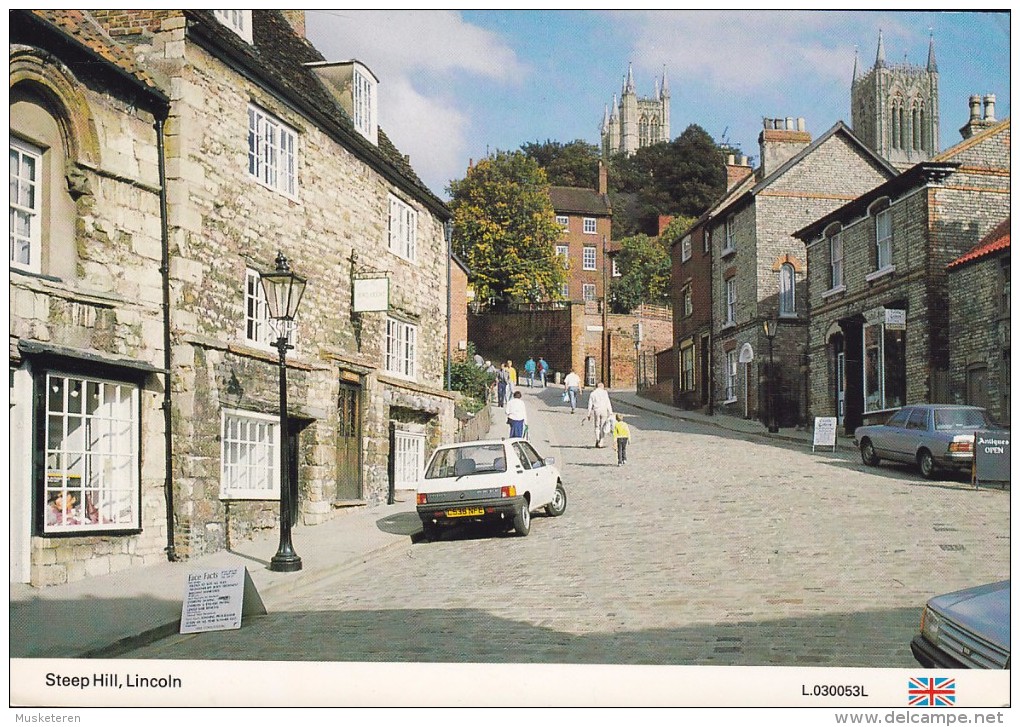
109 615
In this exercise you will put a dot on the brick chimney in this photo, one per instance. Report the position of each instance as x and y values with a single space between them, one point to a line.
737 169
296 18
603 178
779 141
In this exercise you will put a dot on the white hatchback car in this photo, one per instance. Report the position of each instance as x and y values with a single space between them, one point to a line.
500 481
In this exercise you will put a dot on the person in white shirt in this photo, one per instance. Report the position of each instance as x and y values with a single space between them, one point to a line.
601 410
572 388
516 415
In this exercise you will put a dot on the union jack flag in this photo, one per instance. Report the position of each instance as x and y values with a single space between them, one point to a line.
932 692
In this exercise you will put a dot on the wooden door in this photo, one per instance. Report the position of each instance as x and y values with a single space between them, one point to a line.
348 448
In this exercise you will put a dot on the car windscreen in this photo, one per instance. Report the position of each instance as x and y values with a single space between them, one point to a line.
467 460
961 419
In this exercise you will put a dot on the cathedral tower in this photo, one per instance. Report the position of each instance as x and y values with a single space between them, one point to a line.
636 121
894 108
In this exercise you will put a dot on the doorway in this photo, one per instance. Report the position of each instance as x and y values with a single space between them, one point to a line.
348 443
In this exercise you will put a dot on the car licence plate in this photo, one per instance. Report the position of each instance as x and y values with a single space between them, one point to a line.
465 512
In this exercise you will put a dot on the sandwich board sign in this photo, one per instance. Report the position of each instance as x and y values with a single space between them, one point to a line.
216 600
991 458
825 433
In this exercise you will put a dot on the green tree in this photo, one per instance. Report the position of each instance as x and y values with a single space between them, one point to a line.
645 269
574 164
504 227
683 176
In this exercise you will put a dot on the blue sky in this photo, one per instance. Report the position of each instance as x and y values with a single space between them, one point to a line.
455 85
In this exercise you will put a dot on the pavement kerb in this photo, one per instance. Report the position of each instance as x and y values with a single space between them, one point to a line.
634 400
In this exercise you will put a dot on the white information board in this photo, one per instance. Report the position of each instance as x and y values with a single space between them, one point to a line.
371 294
214 600
825 433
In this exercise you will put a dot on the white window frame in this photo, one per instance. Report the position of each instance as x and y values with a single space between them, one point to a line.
730 244
883 239
408 459
836 261
730 376
787 290
400 355
26 183
365 103
590 226
687 296
239 21
563 221
731 300
257 328
249 455
685 249
588 291
402 229
616 268
687 382
564 252
589 258
96 455
565 290
272 152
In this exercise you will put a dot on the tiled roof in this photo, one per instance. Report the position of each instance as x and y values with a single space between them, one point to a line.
278 56
81 27
997 239
579 200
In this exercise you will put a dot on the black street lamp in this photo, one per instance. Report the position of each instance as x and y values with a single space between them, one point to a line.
283 289
770 326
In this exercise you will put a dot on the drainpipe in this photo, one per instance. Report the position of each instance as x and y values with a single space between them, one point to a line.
164 269
448 229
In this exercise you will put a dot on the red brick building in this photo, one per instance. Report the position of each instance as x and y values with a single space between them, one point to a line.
586 217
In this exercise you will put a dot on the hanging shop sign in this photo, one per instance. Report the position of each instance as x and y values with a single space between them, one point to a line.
371 294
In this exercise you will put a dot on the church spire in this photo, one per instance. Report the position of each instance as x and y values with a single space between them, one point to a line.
613 115
657 97
605 120
880 55
628 86
932 66
665 83
854 79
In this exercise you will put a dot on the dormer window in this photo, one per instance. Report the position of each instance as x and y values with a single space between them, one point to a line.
238 21
365 103
355 88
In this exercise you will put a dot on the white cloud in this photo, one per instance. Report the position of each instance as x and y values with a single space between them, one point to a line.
417 55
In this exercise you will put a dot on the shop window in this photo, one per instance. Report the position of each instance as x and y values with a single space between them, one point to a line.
408 459
731 376
687 368
250 456
91 449
885 368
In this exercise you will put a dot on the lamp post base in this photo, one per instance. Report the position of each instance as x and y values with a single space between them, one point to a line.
285 563
773 429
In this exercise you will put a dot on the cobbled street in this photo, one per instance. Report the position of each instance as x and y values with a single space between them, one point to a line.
705 549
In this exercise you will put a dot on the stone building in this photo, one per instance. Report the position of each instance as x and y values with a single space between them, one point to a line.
759 268
979 325
691 296
878 285
894 108
267 148
637 121
88 492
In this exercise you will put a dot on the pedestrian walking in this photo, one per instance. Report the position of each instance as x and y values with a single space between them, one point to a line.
516 415
571 389
600 409
511 383
502 382
621 433
529 371
543 370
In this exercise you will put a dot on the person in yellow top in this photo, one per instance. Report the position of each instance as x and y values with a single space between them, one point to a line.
621 433
513 372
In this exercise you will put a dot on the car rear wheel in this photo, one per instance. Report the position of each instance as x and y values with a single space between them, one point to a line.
522 519
559 502
926 463
868 455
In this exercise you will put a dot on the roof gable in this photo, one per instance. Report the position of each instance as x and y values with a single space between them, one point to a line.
995 241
